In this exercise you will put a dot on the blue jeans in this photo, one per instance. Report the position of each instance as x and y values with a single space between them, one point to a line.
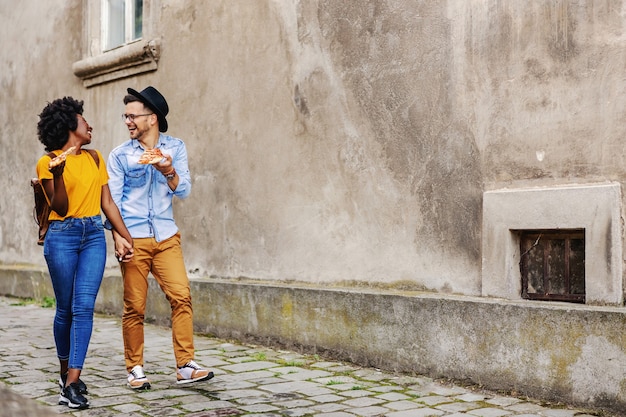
75 251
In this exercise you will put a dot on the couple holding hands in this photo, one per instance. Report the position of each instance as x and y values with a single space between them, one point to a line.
134 190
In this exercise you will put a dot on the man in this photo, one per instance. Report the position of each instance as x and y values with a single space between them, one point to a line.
144 193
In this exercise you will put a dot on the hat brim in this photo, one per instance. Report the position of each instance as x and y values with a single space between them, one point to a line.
145 100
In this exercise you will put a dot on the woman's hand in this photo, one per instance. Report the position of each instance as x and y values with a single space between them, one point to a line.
57 170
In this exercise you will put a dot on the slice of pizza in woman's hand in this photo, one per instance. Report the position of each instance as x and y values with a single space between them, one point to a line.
151 156
60 158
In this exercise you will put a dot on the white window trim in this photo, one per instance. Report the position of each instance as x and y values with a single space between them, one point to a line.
99 66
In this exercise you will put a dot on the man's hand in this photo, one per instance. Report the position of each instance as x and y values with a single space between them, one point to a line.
164 166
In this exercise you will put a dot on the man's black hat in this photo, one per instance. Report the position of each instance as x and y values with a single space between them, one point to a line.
151 97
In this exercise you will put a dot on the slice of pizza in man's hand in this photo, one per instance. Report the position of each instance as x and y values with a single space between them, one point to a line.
151 156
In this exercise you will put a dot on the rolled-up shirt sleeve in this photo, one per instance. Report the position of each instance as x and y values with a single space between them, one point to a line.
181 164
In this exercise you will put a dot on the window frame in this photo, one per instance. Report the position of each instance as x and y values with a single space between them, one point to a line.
541 238
129 24
99 65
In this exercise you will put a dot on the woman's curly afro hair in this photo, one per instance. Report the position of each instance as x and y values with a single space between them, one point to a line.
56 121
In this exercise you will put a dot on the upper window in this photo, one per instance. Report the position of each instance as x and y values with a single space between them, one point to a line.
121 40
123 21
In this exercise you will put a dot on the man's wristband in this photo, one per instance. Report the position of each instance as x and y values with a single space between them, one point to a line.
170 175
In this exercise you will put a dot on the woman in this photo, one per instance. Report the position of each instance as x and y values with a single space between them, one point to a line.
75 244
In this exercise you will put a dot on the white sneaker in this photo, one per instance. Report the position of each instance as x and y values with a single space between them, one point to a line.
192 372
137 379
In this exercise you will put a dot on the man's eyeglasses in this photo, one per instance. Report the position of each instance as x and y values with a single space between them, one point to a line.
132 117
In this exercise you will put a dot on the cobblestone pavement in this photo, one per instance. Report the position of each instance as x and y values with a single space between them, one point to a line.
249 380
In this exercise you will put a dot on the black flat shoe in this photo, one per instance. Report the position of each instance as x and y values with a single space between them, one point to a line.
72 397
81 385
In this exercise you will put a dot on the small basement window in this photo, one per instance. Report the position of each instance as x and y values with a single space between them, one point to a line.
552 265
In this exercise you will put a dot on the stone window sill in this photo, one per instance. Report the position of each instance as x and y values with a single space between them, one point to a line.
125 61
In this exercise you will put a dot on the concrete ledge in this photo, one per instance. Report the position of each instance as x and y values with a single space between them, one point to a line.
553 351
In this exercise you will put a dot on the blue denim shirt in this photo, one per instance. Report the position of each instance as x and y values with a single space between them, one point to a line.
141 192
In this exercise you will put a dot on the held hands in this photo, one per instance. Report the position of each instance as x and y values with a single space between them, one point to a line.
123 249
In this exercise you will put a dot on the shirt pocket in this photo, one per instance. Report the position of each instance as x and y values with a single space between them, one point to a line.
136 178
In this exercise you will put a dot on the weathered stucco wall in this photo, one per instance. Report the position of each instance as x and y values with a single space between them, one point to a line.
540 86
322 139
340 142
329 155
38 43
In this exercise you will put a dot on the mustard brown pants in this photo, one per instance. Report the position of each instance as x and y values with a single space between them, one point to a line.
165 261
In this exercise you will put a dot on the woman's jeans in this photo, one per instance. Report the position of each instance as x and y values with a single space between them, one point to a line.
75 250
